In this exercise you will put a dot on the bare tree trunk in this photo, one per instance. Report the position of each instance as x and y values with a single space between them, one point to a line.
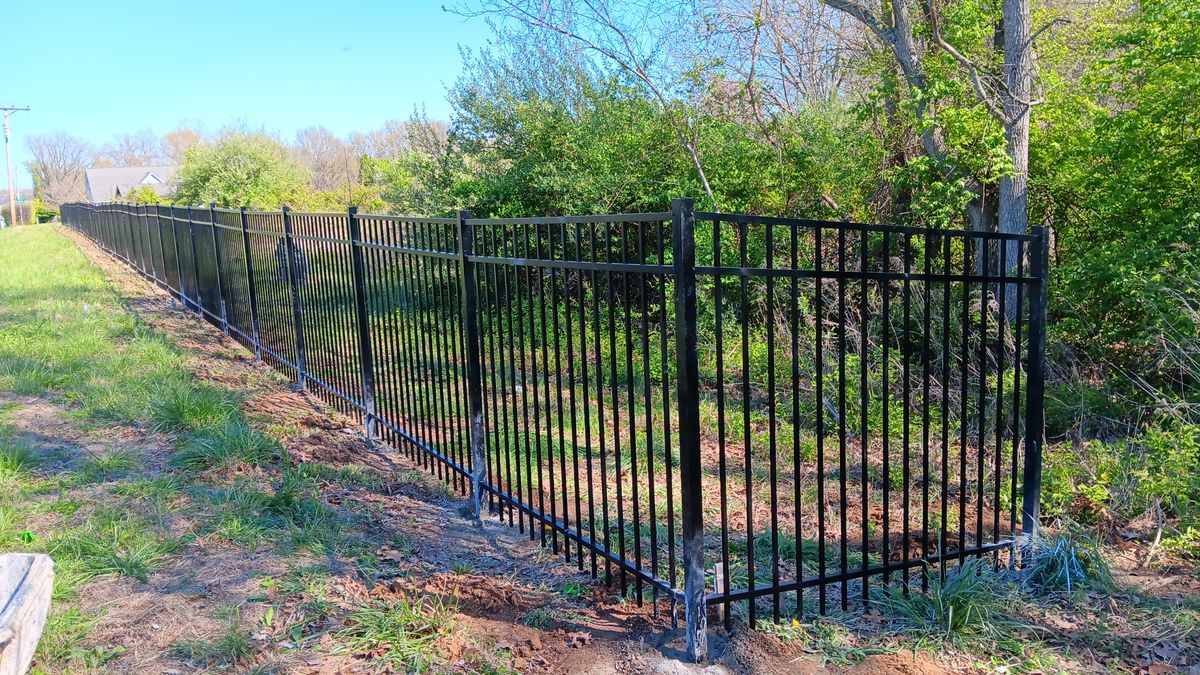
1018 64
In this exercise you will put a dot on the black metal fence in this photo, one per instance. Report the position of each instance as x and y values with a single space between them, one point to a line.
765 415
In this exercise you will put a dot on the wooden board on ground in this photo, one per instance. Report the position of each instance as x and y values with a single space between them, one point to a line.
26 581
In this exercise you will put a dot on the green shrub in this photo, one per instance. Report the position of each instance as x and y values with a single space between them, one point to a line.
1064 562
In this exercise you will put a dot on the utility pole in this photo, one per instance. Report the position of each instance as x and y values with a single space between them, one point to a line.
12 193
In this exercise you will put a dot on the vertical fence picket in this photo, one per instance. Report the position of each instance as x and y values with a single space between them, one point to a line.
470 322
191 225
250 290
221 294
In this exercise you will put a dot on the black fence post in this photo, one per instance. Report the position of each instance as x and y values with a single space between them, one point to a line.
366 362
122 221
683 239
162 248
143 240
195 263
294 283
178 260
1035 387
135 213
470 320
250 284
212 219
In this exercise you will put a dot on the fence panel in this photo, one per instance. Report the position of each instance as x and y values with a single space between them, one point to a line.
577 345
867 402
326 293
204 245
170 252
773 416
234 280
413 302
269 260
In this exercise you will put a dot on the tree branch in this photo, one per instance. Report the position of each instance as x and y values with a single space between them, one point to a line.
973 69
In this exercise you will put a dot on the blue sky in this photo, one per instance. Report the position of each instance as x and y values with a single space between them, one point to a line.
97 69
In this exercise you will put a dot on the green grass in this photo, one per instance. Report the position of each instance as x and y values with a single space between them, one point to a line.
290 513
112 543
149 488
230 648
967 604
102 468
538 618
227 444
400 634
352 476
1067 562
13 534
17 459
573 590
184 407
65 630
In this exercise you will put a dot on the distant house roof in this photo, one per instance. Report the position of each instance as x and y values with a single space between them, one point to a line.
113 183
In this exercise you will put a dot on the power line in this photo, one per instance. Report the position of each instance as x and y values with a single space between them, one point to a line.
12 194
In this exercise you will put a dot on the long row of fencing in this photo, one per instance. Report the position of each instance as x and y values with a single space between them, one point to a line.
765 415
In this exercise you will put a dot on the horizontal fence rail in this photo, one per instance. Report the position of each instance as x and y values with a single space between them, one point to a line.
771 417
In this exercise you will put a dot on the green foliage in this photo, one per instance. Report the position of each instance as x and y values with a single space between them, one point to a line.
1120 167
1128 478
241 169
547 133
144 194
43 212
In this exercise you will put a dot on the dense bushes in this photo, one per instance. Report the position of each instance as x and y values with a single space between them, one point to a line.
241 170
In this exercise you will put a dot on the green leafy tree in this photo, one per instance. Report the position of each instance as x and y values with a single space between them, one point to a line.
1121 166
241 169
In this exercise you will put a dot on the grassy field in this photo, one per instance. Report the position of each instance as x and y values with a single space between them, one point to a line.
204 518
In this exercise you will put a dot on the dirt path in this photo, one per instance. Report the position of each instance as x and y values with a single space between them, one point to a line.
512 605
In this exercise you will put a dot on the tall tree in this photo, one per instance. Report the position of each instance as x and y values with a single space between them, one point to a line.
1002 82
627 36
331 160
59 160
175 144
241 169
388 142
141 148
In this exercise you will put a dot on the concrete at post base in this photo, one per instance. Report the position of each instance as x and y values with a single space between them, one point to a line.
26 580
